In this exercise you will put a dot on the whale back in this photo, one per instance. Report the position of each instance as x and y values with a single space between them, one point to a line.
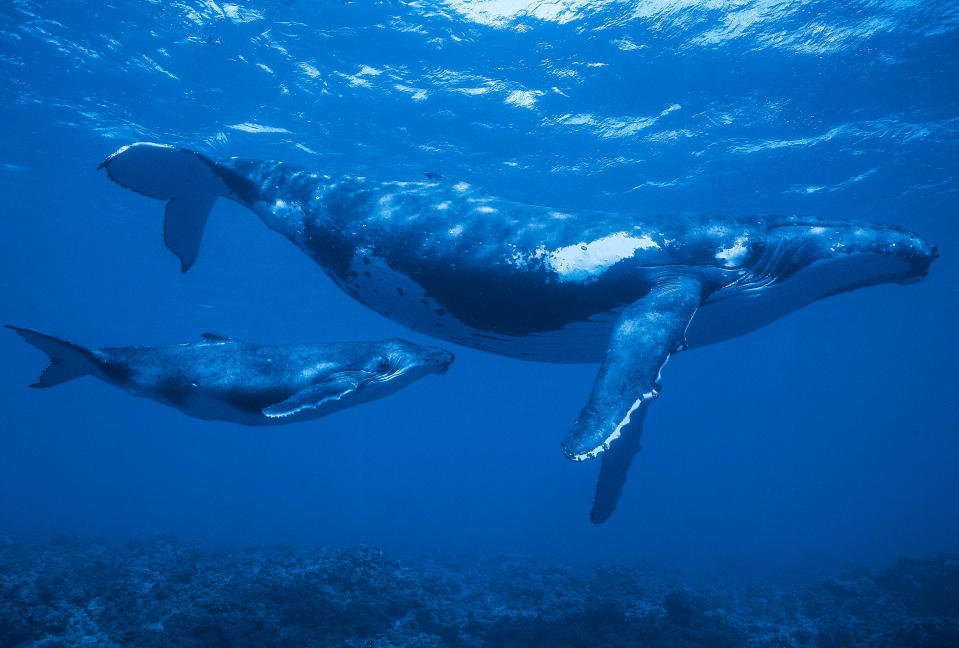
436 255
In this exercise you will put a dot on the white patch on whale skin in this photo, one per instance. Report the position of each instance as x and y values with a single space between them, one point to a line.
650 395
308 373
279 216
522 260
734 255
604 446
584 261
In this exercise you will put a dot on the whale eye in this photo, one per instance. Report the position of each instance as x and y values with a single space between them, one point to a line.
381 364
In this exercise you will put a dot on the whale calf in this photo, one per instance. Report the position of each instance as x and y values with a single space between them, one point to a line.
224 379
623 290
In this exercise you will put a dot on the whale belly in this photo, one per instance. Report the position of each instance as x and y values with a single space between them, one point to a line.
204 407
735 315
400 298
191 399
575 343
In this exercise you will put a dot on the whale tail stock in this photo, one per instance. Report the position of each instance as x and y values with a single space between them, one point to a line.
188 181
67 360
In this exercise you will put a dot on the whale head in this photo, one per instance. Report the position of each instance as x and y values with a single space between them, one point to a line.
800 260
813 258
398 359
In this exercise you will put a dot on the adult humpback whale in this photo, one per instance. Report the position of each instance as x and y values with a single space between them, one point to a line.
533 282
220 378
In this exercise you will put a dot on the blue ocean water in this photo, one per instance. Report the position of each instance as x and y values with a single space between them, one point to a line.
825 440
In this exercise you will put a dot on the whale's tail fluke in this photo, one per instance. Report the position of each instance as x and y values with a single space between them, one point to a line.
67 360
187 180
615 467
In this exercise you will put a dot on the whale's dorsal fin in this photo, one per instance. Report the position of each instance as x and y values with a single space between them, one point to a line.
329 391
646 334
433 176
215 337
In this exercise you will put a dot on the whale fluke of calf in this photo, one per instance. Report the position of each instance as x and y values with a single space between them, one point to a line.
224 379
67 360
625 290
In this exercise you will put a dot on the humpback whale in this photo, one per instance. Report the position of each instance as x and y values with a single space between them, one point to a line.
620 289
224 379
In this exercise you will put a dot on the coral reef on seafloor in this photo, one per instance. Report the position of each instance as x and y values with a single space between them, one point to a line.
162 592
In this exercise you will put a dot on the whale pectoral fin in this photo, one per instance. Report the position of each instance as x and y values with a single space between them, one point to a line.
183 226
646 334
615 467
312 397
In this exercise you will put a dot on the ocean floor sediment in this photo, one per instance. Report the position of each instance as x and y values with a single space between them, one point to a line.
162 592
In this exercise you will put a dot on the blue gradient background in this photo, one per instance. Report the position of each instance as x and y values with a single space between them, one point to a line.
826 439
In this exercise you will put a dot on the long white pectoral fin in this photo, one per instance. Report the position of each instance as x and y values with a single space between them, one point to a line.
314 396
646 334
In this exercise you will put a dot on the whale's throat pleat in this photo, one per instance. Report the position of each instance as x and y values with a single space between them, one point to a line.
767 296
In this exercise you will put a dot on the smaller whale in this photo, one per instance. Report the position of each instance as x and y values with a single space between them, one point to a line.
228 380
